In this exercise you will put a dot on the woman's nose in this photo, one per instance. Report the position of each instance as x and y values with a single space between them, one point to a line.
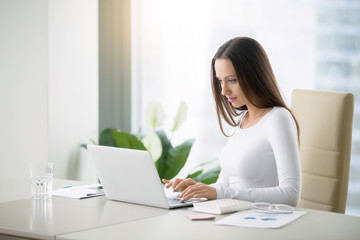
224 90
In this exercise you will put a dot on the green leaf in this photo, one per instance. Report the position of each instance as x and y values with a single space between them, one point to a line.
209 176
195 174
176 159
106 138
127 140
166 146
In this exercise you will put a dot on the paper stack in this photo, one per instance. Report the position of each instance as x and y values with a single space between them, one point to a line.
80 192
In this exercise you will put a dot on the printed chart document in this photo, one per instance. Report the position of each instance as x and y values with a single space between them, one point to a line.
251 218
80 192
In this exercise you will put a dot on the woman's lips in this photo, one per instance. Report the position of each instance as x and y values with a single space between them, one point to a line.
231 99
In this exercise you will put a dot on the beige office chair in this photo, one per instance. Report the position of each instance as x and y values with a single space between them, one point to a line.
325 120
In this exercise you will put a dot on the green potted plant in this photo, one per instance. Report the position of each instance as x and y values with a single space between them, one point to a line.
168 159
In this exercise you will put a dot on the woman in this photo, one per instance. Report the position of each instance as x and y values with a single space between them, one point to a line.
260 162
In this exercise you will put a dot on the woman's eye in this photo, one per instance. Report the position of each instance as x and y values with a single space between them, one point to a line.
232 80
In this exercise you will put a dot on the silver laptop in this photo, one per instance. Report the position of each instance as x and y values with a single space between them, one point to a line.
130 175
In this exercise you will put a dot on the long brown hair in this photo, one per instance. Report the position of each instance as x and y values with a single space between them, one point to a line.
254 75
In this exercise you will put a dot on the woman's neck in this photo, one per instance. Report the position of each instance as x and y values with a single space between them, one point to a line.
253 115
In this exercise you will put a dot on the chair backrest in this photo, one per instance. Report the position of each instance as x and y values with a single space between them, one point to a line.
325 120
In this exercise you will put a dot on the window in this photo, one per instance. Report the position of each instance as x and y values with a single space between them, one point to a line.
311 45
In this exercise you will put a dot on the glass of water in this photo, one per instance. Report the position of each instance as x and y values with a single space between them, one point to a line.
41 174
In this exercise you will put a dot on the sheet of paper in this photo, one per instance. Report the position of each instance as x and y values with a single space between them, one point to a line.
80 192
251 218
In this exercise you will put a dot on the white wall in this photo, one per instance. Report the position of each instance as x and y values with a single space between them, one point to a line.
73 84
23 85
48 84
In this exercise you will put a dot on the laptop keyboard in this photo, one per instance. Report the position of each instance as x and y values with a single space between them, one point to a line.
177 201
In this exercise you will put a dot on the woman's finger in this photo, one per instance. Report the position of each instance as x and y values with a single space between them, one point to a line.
167 182
173 183
184 184
199 191
190 191
176 182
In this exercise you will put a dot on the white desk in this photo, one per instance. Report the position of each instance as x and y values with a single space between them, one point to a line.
27 218
99 218
315 225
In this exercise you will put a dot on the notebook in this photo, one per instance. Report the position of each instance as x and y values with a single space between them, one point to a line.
221 206
130 176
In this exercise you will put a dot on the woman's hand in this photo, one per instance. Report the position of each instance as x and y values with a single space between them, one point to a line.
191 189
199 190
179 184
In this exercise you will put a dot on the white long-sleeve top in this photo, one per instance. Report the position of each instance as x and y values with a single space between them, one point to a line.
261 163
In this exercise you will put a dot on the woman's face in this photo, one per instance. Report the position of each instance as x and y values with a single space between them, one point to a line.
230 87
